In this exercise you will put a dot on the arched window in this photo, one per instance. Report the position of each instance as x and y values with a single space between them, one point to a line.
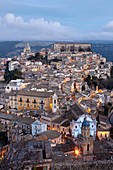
54 101
88 147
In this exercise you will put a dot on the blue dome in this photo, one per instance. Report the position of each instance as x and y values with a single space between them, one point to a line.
85 123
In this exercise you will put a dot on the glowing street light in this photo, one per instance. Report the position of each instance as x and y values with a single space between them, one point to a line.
77 152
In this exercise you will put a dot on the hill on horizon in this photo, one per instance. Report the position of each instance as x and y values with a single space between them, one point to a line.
13 48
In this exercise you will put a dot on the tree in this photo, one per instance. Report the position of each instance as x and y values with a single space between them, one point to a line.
37 57
111 72
13 75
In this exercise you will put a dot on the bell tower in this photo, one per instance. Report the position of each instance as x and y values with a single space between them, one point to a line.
87 141
54 103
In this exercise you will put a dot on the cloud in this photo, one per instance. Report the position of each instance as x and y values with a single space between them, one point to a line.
16 28
103 35
109 27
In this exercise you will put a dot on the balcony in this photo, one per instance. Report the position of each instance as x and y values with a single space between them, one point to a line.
27 101
34 102
42 102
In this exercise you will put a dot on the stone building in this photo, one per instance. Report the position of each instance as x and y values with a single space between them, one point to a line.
71 47
87 141
34 100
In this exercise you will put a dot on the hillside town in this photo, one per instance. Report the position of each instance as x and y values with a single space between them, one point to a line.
56 109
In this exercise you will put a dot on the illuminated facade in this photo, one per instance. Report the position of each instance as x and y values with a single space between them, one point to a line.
34 100
103 134
76 126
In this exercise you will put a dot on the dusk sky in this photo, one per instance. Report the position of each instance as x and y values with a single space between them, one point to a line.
56 20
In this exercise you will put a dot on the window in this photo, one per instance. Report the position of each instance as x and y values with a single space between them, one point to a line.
55 107
88 147
39 128
42 107
20 99
34 101
76 127
34 105
41 100
27 100
54 101
27 105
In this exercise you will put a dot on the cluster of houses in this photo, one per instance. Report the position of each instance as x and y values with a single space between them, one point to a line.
53 101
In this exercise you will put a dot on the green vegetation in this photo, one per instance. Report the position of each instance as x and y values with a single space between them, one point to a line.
3 138
12 75
108 84
37 57
94 81
107 108
111 71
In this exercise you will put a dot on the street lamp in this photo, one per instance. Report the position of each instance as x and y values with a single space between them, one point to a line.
77 151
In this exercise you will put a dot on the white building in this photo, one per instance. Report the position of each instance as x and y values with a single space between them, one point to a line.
38 127
14 65
54 103
76 125
15 85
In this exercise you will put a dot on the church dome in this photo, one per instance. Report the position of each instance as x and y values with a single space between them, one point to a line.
85 123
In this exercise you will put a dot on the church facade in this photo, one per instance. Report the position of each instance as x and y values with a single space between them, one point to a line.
77 125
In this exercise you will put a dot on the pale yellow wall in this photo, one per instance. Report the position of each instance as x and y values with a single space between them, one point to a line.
31 106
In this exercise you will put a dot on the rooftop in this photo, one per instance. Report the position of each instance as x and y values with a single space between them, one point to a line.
11 117
50 134
35 93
